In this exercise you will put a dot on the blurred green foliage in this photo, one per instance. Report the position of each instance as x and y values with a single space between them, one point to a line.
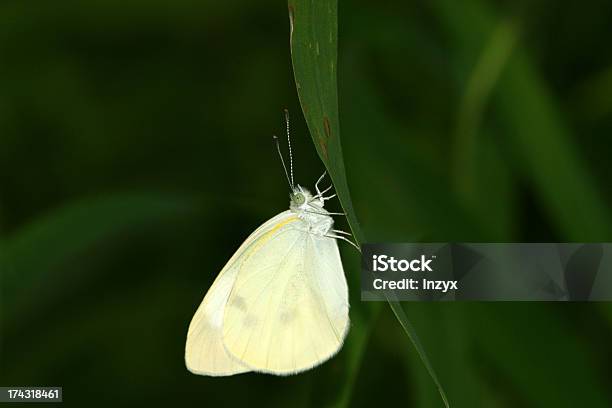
136 155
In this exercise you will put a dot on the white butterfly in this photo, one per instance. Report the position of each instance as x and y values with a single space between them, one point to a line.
280 305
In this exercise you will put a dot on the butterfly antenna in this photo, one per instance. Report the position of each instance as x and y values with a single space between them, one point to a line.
289 143
282 160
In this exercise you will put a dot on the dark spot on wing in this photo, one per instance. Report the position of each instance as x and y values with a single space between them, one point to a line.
238 303
286 317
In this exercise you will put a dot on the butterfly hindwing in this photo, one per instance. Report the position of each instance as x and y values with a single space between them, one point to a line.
205 353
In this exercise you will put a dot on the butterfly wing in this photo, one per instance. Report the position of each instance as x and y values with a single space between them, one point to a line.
288 309
204 350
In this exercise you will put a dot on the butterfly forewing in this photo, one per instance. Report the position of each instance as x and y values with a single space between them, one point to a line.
204 351
288 309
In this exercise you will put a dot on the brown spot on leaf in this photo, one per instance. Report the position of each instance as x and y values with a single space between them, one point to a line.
323 144
326 127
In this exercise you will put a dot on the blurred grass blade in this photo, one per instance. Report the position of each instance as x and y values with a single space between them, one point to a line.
547 153
554 357
30 255
479 87
478 162
314 52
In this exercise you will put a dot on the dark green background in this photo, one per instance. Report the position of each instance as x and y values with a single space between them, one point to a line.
136 155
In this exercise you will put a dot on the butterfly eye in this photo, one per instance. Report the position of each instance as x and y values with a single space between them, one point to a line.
299 198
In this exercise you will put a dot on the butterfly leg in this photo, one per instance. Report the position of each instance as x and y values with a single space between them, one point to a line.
317 184
324 213
320 193
344 239
329 197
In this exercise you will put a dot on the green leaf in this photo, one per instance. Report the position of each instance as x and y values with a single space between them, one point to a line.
407 326
314 52
314 43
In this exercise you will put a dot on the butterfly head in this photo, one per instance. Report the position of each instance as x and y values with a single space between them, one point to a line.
302 199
